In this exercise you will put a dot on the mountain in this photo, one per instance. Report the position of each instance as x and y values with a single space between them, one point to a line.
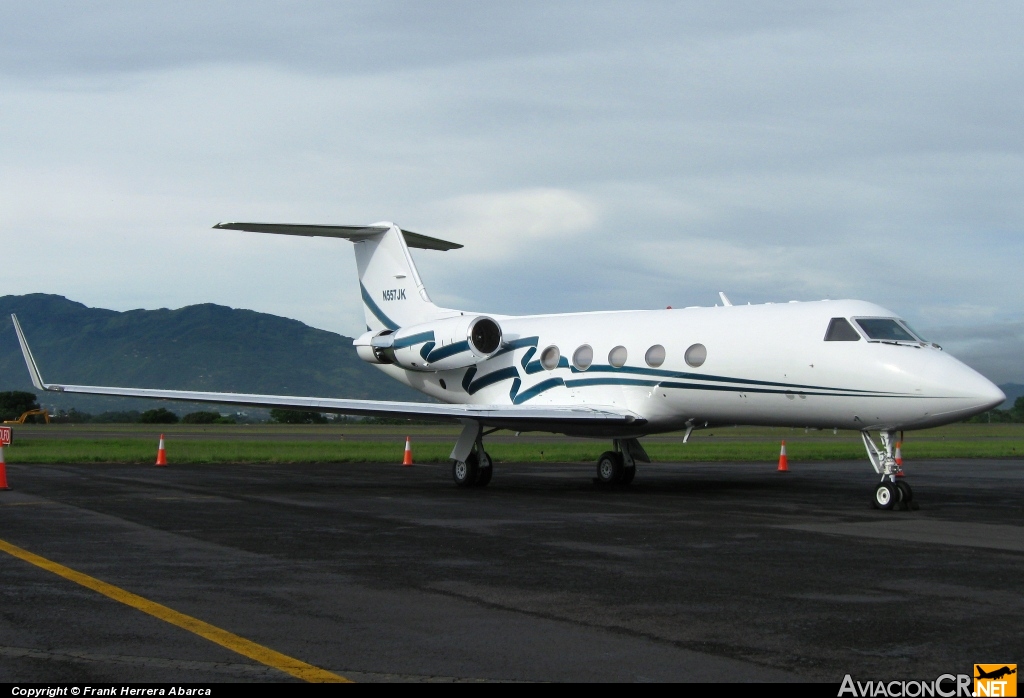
199 347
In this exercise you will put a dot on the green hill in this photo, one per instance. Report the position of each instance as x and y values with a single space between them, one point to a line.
199 347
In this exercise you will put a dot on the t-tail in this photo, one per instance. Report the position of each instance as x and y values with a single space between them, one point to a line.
392 292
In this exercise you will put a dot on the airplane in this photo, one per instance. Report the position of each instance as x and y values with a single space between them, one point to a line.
623 375
996 673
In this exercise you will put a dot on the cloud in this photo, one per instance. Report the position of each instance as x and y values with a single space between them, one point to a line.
597 155
509 225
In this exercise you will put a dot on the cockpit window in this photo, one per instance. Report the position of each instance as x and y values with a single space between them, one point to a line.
914 332
840 330
885 330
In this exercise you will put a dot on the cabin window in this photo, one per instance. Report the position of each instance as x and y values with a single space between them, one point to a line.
696 355
884 329
549 358
655 356
617 357
840 330
583 357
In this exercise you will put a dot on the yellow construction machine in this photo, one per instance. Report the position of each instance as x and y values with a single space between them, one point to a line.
26 415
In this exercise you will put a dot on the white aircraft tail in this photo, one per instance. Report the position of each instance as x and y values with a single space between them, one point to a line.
393 293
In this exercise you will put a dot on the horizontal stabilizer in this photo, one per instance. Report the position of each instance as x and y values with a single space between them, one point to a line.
348 232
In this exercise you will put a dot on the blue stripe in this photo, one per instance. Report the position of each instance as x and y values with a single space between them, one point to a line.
425 350
516 344
377 312
537 390
490 379
706 377
536 367
533 367
515 390
413 339
446 351
776 391
526 357
584 382
467 379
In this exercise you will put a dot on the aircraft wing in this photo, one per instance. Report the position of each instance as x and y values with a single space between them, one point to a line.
521 417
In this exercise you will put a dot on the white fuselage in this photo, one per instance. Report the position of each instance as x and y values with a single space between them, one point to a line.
765 365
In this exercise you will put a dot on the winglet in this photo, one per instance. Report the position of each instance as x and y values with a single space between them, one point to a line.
30 362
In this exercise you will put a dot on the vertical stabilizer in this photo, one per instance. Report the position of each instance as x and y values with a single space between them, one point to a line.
392 291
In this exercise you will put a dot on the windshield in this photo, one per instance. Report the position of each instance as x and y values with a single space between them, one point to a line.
885 330
913 331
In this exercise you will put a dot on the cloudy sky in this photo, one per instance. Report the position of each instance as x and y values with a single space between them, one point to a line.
589 155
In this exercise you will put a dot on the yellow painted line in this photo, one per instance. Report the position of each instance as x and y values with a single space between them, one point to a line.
246 648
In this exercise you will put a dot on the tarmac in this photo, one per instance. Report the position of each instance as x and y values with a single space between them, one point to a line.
720 572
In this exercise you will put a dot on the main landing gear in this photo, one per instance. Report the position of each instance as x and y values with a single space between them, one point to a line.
471 465
475 471
890 493
618 467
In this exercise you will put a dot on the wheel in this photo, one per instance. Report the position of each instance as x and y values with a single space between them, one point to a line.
465 472
905 495
627 475
609 468
485 469
885 496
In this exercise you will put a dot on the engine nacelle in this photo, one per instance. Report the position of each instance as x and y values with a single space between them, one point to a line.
442 345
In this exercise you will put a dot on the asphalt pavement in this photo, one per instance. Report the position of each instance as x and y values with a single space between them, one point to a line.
696 572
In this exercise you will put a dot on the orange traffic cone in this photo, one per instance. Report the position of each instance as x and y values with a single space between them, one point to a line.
161 452
407 460
899 459
3 471
783 461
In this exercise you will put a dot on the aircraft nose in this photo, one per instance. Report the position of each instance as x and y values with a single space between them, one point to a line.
984 393
992 396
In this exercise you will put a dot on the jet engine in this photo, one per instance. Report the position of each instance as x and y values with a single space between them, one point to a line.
441 345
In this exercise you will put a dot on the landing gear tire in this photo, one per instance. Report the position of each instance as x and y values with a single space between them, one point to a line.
465 472
886 496
627 475
906 496
474 472
485 469
609 468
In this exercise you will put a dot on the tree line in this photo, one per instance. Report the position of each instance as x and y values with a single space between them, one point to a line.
1013 415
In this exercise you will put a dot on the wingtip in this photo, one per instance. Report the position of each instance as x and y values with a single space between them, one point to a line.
30 362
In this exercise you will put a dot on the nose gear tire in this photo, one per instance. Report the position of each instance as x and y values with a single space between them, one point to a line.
885 496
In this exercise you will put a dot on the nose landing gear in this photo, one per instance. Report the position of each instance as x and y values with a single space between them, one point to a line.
890 493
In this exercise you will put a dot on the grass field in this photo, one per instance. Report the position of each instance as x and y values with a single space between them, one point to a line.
380 443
